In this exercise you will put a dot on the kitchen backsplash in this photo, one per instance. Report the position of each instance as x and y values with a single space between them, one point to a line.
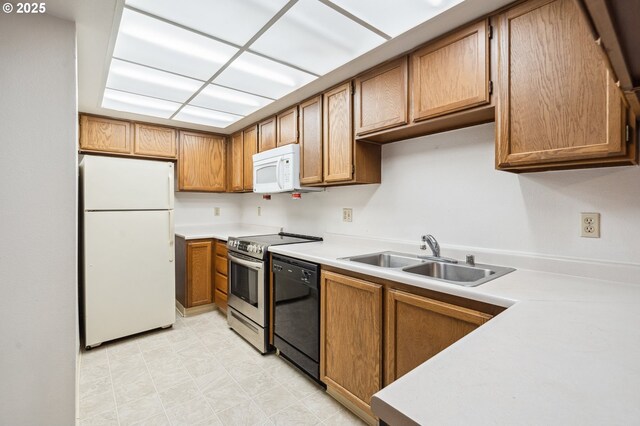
446 185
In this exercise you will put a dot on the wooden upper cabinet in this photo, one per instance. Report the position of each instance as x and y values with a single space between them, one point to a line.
451 74
199 273
201 162
338 139
105 135
250 137
417 328
381 97
267 134
155 141
287 127
351 338
311 141
236 162
558 104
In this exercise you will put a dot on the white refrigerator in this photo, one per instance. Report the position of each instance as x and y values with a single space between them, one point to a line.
128 247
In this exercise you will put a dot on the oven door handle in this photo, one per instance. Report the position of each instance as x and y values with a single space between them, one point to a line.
249 264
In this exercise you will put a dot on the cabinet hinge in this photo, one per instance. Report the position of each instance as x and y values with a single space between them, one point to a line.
627 133
490 32
351 88
353 170
297 134
490 87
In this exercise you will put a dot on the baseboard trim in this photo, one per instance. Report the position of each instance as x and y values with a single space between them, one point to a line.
187 312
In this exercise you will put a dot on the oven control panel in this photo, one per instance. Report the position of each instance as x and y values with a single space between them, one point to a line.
245 246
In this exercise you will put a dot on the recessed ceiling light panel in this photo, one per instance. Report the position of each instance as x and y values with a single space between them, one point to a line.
397 16
147 81
316 38
192 114
229 100
148 41
137 104
255 74
235 21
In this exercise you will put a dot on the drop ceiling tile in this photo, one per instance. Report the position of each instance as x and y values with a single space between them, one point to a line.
193 114
229 100
158 44
255 74
316 38
137 104
397 16
235 21
150 82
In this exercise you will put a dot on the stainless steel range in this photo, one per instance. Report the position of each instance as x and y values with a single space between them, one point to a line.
248 312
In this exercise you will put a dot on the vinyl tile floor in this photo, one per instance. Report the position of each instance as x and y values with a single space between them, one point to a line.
199 372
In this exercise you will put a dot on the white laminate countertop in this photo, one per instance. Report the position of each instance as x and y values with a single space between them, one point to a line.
222 231
566 351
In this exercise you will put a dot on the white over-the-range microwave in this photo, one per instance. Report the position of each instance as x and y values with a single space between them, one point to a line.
278 170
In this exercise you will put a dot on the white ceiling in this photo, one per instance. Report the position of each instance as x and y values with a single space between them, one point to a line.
271 69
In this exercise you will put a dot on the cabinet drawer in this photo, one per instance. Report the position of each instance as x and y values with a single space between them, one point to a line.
221 265
221 300
221 283
221 249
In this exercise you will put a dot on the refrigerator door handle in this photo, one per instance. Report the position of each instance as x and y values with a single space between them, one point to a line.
171 237
170 187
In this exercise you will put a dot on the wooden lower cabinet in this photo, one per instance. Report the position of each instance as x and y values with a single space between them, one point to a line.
366 344
417 328
221 283
195 273
351 339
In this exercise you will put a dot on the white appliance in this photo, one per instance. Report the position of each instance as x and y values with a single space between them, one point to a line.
278 170
128 247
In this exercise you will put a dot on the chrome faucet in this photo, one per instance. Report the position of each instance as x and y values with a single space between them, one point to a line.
431 241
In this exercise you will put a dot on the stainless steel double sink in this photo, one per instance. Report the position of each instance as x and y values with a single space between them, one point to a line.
455 273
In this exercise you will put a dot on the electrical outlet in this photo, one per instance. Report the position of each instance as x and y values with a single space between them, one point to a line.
590 225
347 215
216 211
259 211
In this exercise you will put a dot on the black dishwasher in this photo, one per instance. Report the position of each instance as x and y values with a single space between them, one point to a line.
296 285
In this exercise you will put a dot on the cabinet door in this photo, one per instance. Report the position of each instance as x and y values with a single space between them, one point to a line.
105 135
558 100
199 276
451 74
311 141
381 98
267 134
154 141
201 163
338 134
236 162
417 328
351 337
250 148
287 127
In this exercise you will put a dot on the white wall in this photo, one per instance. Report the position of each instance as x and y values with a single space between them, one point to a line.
446 185
38 220
198 208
